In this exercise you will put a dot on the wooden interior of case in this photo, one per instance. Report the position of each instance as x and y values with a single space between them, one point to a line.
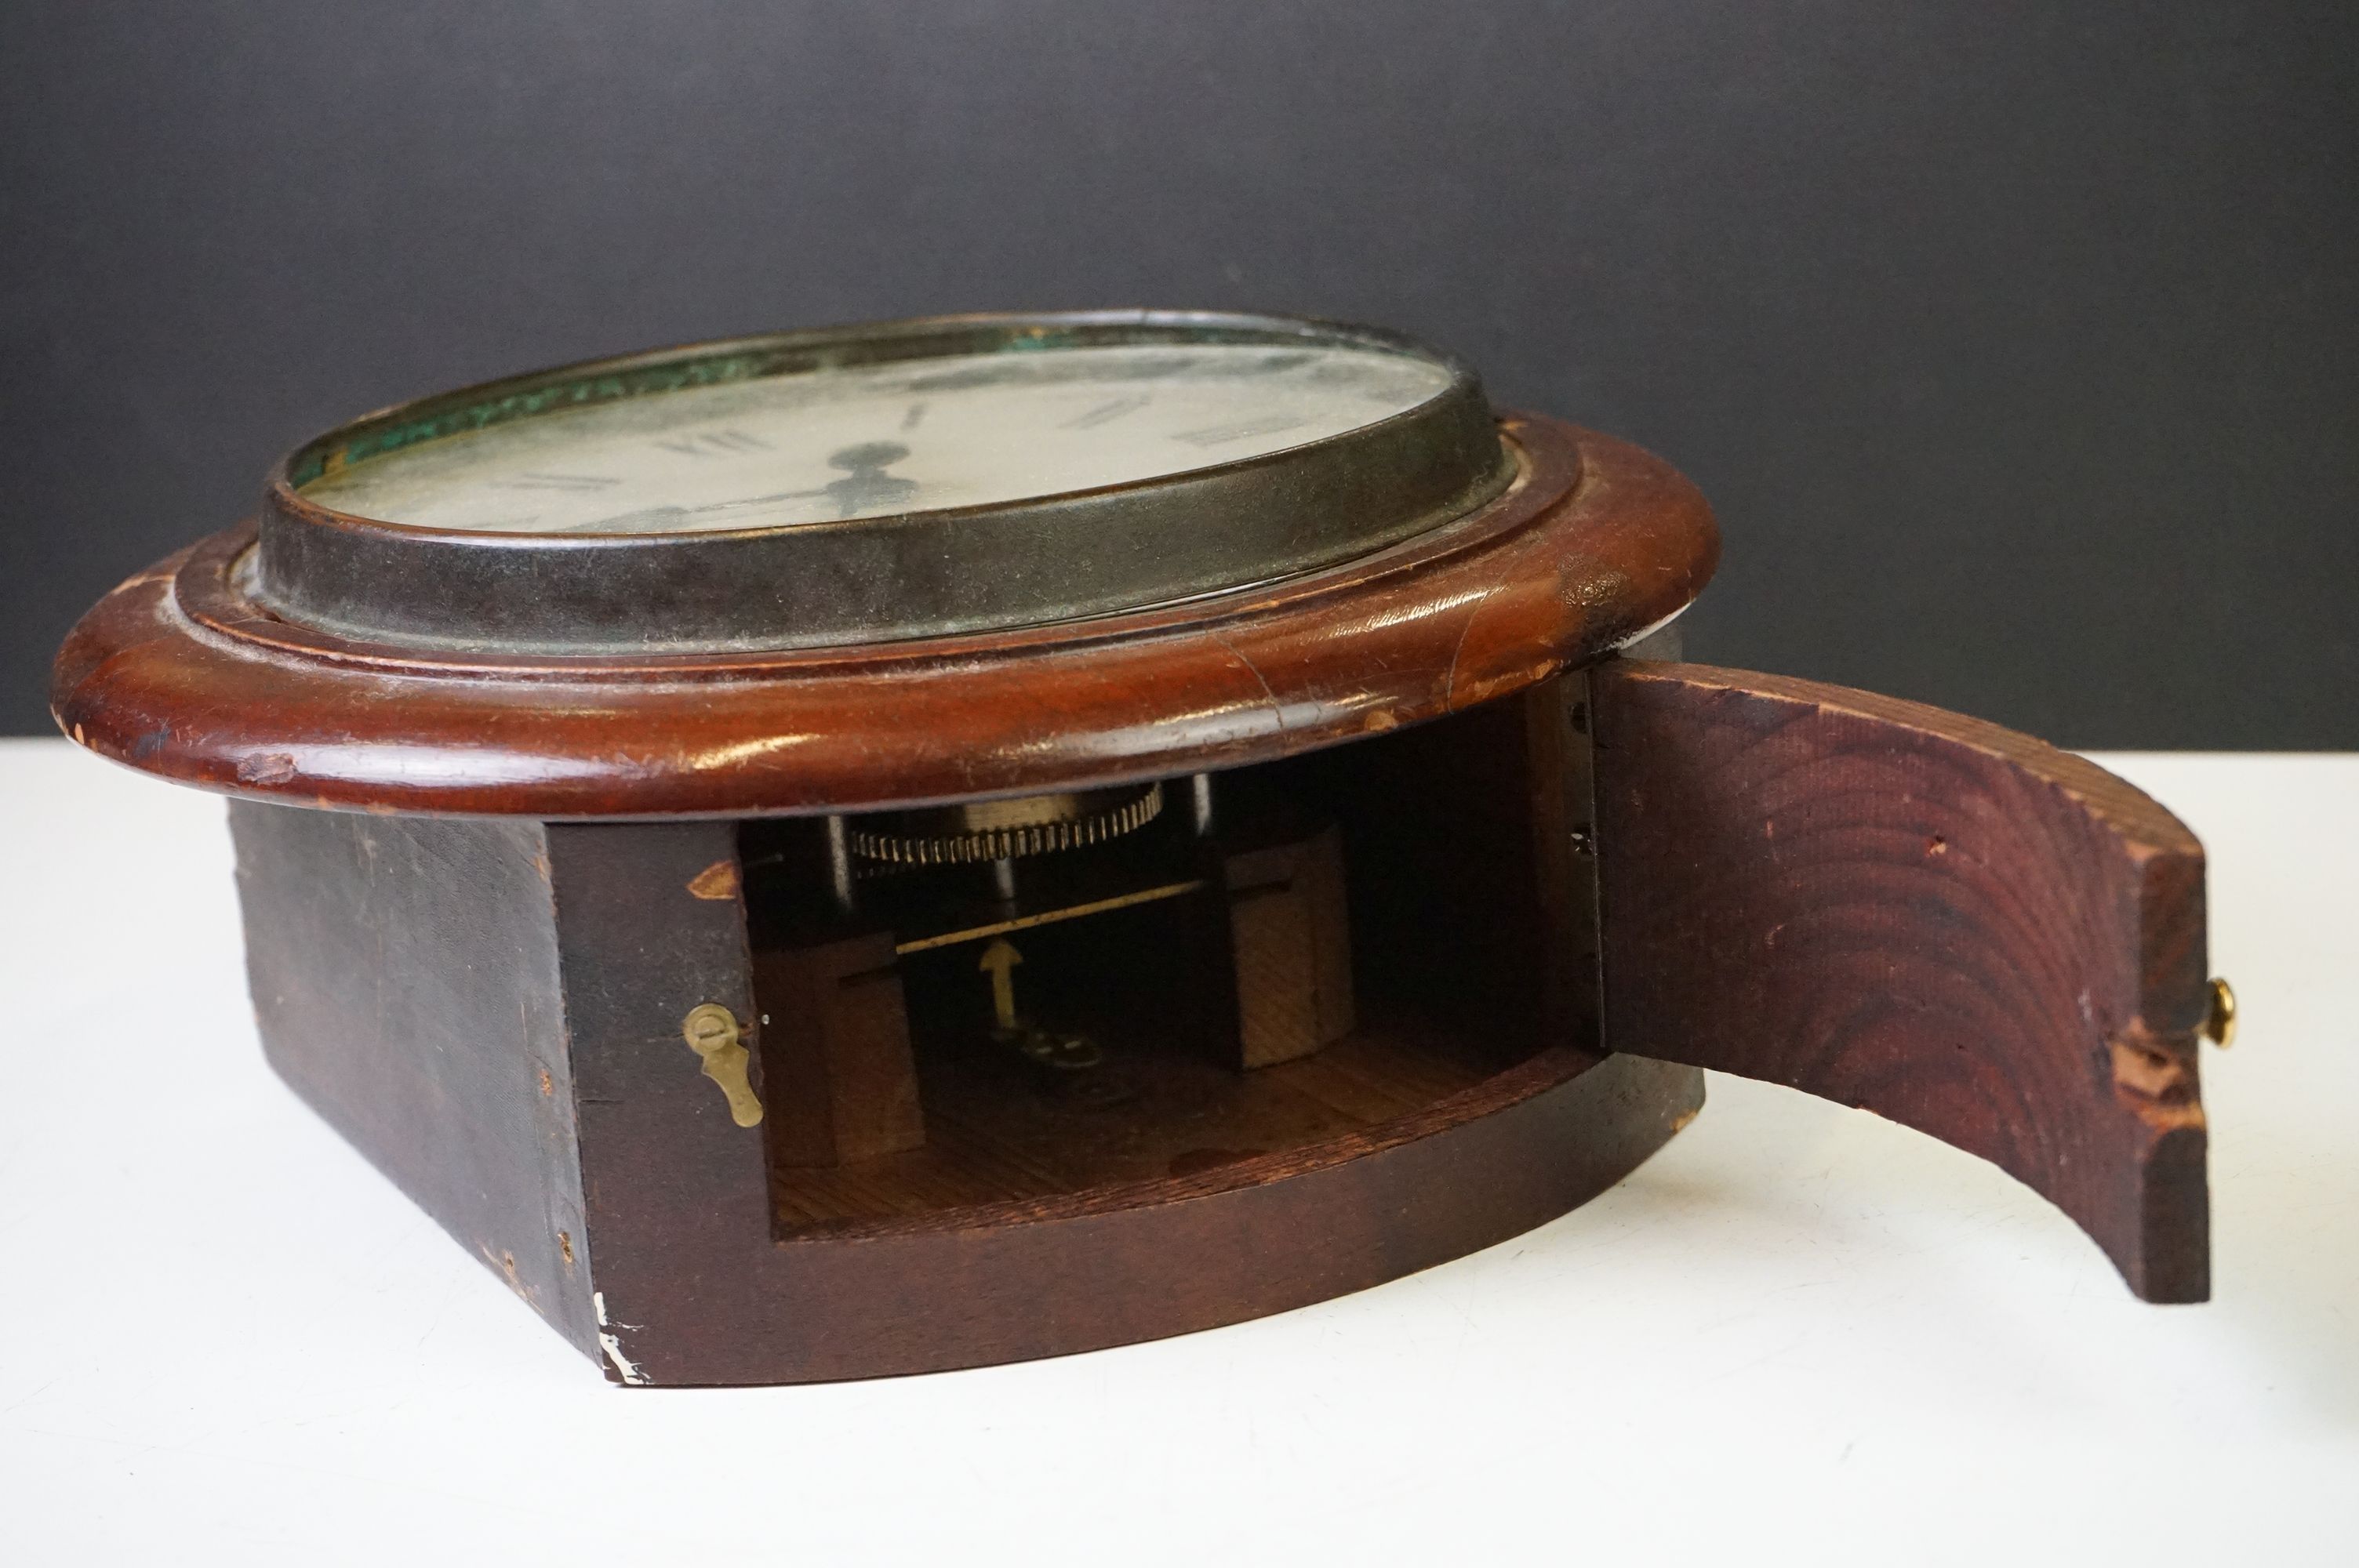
1449 978
1960 928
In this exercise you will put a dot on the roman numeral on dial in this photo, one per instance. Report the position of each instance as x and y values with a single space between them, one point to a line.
714 444
557 482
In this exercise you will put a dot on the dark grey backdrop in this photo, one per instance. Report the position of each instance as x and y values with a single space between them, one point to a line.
2015 344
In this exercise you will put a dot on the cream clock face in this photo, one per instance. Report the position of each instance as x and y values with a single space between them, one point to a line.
874 483
911 435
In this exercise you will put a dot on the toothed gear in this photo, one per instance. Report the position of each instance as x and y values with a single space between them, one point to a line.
1084 822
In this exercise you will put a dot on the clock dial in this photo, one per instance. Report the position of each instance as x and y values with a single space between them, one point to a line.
911 436
865 483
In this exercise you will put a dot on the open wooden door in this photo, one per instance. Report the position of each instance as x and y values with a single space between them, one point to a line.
1918 914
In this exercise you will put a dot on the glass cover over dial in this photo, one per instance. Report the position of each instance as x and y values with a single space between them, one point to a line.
872 441
912 479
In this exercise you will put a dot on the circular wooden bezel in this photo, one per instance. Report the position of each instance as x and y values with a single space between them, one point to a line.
180 673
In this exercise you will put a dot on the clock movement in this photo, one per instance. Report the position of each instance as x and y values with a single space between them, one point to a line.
887 849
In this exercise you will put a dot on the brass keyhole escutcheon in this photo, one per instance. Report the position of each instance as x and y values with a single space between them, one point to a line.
712 1032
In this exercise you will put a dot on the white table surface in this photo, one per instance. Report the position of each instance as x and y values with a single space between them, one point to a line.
1799 1334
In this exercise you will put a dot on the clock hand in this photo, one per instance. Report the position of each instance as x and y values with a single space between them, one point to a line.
864 485
665 516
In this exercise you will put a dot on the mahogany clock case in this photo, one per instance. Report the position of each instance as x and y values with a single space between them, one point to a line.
1496 895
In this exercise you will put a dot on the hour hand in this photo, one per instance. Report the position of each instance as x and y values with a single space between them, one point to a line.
665 519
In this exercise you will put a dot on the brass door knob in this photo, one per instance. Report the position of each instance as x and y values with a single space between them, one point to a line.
2219 1022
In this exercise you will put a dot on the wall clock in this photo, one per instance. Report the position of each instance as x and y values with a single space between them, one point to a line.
880 849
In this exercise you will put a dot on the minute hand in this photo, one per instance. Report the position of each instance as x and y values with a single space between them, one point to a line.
655 519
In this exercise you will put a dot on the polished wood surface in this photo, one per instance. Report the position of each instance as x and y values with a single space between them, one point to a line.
1537 860
405 980
179 673
493 1010
837 1073
1291 933
1954 925
1004 1130
700 1285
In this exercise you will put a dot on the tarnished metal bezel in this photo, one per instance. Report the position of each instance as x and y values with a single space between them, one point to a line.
1060 557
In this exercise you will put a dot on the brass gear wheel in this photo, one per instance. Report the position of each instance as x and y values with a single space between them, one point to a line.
983 830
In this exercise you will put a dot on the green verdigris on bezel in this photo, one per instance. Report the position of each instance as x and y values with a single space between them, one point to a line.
859 484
